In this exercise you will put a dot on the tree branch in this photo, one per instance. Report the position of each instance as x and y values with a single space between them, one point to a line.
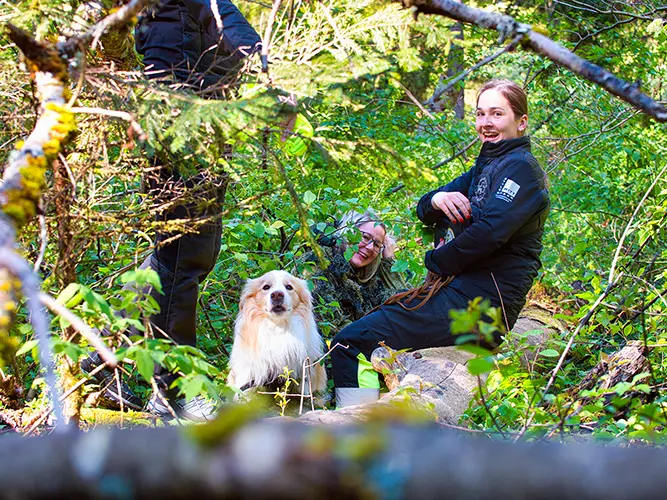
542 45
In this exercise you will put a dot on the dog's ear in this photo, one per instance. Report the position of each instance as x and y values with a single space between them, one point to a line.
303 292
249 290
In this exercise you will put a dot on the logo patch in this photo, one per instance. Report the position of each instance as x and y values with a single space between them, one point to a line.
508 190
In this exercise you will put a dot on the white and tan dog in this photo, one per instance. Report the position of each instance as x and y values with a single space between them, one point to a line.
275 328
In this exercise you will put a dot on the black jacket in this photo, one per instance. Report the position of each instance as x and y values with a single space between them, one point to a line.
510 201
179 40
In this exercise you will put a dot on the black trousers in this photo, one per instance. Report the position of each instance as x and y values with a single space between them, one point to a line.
183 260
426 327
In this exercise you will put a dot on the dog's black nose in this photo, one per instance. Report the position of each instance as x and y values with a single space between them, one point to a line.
277 297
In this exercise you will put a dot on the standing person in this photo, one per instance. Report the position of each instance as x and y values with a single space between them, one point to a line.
182 41
183 44
497 209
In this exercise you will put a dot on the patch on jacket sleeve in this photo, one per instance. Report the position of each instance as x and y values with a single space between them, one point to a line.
508 190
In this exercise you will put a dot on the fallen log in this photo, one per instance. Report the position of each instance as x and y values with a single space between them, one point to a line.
278 459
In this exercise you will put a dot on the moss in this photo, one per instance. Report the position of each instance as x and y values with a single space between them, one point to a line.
21 204
91 417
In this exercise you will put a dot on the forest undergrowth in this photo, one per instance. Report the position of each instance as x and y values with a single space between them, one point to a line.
356 82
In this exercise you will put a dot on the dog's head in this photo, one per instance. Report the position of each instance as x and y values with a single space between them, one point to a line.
277 294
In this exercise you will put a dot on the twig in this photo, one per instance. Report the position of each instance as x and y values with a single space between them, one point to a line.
627 226
502 305
123 115
76 322
30 286
456 155
488 410
220 347
216 15
158 393
415 100
542 45
306 368
119 18
266 42
65 395
43 238
581 324
446 88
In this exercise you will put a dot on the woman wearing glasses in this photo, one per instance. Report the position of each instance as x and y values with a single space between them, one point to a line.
359 282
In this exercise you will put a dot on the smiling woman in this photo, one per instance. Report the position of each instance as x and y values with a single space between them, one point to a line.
364 280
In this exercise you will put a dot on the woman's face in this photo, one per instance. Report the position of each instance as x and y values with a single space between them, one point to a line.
495 118
370 246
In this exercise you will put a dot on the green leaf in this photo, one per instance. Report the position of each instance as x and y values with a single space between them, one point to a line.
144 361
259 230
27 346
477 366
193 386
309 197
622 387
400 266
70 296
549 353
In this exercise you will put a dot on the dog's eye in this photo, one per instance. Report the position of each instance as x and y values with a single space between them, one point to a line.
289 287
266 287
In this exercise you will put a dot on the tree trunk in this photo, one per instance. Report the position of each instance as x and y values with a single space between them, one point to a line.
272 459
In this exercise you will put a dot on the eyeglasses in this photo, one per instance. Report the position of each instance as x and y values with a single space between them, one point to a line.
366 239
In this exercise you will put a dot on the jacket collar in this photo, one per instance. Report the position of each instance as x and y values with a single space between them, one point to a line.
501 148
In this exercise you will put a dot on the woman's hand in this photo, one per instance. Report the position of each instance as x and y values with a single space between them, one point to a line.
454 205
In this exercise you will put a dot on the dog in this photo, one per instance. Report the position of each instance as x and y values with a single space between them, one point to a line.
275 329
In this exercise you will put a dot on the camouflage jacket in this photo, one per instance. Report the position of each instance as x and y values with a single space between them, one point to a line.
339 283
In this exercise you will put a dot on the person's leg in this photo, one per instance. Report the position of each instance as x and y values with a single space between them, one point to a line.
183 262
355 380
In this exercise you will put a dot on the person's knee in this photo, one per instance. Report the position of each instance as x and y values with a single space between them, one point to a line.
344 340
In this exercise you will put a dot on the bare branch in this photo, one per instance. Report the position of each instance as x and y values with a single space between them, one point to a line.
279 460
76 322
446 88
119 18
542 45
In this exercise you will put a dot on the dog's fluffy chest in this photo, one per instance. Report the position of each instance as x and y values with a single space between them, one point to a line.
283 345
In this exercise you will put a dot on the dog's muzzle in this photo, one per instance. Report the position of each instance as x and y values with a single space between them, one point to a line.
277 302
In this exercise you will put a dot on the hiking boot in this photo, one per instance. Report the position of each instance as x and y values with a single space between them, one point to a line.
107 381
197 409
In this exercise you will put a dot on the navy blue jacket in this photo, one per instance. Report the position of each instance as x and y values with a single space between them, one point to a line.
510 201
179 40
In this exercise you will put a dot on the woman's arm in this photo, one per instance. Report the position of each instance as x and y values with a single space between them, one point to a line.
516 196
429 215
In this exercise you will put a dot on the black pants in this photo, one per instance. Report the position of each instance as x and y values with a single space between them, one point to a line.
183 260
426 327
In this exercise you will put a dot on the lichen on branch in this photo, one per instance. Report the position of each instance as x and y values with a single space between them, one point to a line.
24 178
